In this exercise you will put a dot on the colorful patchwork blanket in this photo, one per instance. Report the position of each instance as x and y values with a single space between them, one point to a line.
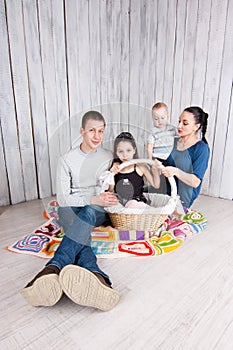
108 242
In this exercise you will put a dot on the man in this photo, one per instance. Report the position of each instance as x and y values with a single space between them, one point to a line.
74 269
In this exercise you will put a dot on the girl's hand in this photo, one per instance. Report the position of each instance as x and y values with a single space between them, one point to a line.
115 168
157 165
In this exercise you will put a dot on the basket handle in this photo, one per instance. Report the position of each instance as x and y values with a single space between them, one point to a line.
151 162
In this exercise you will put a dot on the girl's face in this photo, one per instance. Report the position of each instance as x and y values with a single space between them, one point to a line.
160 117
125 151
187 124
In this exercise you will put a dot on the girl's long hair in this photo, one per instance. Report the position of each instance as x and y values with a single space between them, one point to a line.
124 136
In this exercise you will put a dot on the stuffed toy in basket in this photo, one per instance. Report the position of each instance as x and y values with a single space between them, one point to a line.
146 219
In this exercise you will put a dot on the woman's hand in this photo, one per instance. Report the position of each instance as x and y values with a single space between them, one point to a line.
189 179
115 168
105 199
169 171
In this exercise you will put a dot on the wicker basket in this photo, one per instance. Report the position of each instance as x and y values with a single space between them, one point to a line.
145 219
143 222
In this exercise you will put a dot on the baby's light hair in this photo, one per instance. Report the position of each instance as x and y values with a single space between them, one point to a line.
158 105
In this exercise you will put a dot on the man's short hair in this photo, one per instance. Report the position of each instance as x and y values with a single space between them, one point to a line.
94 115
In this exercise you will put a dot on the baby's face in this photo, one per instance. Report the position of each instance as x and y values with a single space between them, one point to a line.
160 117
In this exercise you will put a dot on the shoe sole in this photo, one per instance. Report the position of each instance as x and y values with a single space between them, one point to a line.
84 288
45 291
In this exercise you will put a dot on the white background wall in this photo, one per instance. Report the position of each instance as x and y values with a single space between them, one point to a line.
60 58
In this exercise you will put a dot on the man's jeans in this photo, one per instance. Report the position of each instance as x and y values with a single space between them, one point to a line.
75 247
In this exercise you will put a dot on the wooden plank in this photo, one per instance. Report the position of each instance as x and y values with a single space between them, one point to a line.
201 52
142 53
111 53
84 52
138 128
124 57
124 62
46 28
148 32
111 113
119 64
178 63
160 49
95 57
213 73
8 118
114 49
135 48
72 63
148 62
114 63
61 74
35 79
147 54
21 94
189 53
104 62
4 190
78 59
136 95
222 163
170 56
138 113
226 189
114 68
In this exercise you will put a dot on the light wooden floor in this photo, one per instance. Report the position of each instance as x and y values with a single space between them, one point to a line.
182 300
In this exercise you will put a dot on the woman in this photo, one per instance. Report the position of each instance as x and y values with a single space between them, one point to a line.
189 158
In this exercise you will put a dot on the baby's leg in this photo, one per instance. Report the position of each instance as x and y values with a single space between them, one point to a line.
135 204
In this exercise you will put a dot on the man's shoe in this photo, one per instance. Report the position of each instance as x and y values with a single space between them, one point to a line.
44 289
86 288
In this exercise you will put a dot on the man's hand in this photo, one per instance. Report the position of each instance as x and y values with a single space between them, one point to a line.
105 199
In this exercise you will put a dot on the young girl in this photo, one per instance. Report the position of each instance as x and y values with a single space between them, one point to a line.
129 181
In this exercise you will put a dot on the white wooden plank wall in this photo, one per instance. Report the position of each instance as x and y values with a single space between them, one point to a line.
60 58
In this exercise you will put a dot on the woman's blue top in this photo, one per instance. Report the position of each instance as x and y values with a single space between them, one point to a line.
193 160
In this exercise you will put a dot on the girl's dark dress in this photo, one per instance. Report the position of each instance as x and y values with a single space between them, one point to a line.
129 186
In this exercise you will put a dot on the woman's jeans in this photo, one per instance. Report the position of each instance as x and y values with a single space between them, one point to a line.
75 247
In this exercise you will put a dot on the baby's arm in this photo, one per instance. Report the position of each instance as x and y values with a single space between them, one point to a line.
150 144
150 150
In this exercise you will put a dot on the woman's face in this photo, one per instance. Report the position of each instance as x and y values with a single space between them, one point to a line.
125 151
186 125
